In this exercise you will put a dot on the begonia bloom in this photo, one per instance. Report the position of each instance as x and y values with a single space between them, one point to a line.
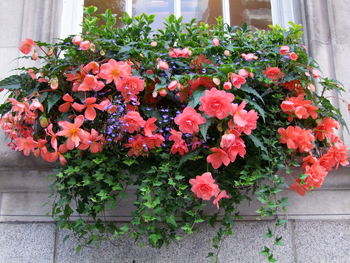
204 186
216 103
189 120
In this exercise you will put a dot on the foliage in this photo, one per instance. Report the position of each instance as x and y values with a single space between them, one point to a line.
115 127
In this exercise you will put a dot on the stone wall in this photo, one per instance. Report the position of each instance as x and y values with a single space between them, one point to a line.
319 223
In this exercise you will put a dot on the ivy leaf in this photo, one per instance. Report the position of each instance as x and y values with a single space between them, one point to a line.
195 99
204 128
170 219
52 100
187 157
252 91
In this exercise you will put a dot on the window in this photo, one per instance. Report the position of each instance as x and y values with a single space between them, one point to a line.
235 12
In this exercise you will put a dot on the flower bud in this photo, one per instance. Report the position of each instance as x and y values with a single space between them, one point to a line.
77 40
154 44
85 45
43 122
216 42
216 81
227 53
54 83
162 92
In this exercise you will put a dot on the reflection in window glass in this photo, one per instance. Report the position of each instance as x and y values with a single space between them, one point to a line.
116 6
160 8
202 10
253 12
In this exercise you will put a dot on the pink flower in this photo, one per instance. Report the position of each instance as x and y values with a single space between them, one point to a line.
216 42
284 50
189 120
26 145
115 71
180 53
273 73
218 157
92 66
85 45
249 56
72 131
243 72
216 103
92 140
76 40
68 102
220 196
204 186
237 80
293 56
150 127
26 46
132 121
236 148
173 85
163 65
244 121
227 85
89 106
131 87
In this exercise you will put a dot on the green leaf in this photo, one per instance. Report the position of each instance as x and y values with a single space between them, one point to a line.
252 91
257 142
195 99
204 128
11 83
52 100
170 219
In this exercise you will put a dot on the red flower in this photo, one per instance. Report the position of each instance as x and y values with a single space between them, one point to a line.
204 186
216 103
325 128
273 73
244 121
150 127
179 145
293 56
233 146
90 83
297 138
131 87
189 120
294 86
180 53
336 155
218 158
297 106
284 50
132 121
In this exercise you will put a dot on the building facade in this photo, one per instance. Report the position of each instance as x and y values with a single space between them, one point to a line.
318 229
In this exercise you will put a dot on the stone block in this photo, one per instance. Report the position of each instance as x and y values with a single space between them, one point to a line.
26 243
242 247
322 241
25 207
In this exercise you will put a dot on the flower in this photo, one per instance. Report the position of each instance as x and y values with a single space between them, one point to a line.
284 50
173 85
204 186
220 196
233 146
91 83
216 42
227 85
92 140
115 71
68 103
216 103
149 126
273 73
76 40
85 45
26 46
237 80
89 106
218 157
180 53
130 87
249 56
297 106
132 121
293 56
163 65
27 145
325 128
244 121
335 156
189 120
72 131
179 145
297 138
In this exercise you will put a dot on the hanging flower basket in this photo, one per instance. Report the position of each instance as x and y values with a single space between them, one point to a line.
188 115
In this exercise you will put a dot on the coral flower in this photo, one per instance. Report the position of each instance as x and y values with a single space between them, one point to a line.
293 56
90 83
216 42
131 87
163 65
204 186
85 45
297 138
72 131
220 196
284 50
150 127
68 103
53 136
180 53
237 80
218 157
92 66
132 121
189 120
244 121
325 128
53 156
89 106
297 106
27 145
76 40
179 145
336 155
115 71
216 103
233 146
249 56
273 73
26 46
92 140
